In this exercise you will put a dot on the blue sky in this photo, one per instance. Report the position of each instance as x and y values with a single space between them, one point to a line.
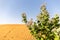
11 10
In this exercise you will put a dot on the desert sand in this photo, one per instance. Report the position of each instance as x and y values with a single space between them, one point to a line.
15 32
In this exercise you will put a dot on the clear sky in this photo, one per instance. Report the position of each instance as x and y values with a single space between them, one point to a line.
11 10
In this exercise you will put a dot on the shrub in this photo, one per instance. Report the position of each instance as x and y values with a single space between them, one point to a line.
44 28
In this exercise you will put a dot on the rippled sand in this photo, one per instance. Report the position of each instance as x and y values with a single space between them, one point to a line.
15 32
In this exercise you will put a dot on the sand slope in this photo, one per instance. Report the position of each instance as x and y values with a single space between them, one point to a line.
15 32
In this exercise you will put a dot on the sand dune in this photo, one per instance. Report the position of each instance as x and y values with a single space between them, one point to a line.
15 32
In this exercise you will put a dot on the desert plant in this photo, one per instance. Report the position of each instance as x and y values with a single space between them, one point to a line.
44 28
